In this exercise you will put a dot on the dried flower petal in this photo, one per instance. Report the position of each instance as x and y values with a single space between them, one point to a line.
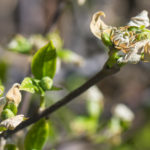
14 94
140 19
98 27
134 55
130 43
12 123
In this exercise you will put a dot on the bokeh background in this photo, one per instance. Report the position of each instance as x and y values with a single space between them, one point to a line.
72 127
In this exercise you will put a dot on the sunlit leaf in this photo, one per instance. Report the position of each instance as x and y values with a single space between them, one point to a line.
31 85
44 62
69 56
37 135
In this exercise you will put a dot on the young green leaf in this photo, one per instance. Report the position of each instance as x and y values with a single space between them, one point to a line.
69 56
44 62
37 135
20 44
31 85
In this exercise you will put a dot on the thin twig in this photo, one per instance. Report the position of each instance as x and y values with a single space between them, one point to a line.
95 79
60 8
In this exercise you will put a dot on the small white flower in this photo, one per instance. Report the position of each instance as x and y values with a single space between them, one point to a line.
123 112
94 94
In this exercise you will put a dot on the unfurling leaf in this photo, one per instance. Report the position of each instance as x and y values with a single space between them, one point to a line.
13 122
37 135
31 85
14 95
44 62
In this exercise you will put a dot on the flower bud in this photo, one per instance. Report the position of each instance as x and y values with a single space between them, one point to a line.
6 113
11 106
106 39
46 83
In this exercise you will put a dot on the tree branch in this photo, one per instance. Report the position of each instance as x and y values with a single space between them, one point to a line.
96 78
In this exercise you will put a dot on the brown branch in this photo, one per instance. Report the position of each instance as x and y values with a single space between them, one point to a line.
96 78
51 22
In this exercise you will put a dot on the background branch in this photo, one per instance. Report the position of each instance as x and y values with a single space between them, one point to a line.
96 78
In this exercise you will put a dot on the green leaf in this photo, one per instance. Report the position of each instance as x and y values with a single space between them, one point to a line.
69 56
37 135
20 44
83 124
31 85
44 62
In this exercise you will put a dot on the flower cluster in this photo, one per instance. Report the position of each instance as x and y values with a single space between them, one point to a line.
127 44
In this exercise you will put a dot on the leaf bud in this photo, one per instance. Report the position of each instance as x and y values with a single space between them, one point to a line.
46 83
6 113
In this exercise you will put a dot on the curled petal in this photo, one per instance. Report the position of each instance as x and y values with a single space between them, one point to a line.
97 26
140 19
14 94
12 123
